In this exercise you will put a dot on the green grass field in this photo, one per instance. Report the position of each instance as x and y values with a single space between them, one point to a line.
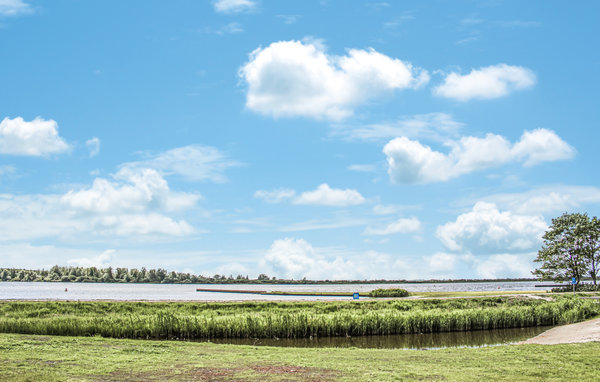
49 358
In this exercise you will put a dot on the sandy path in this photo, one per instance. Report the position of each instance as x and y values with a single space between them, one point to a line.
586 331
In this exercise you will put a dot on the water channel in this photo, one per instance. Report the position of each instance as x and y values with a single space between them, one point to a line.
477 338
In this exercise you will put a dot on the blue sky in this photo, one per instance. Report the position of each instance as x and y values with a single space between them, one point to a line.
318 139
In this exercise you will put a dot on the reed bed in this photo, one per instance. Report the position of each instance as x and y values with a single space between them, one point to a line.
188 321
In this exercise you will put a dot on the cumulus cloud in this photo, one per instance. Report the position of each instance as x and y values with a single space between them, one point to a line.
404 225
100 261
296 258
542 145
506 265
441 262
294 78
234 6
132 204
327 196
14 8
193 162
410 161
35 138
132 191
486 83
485 229
275 196
93 146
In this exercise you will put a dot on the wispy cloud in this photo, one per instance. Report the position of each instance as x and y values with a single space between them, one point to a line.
230 28
234 6
14 8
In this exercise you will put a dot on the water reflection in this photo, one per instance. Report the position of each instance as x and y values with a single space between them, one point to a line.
403 341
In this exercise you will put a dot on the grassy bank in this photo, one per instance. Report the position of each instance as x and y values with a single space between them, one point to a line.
285 320
48 358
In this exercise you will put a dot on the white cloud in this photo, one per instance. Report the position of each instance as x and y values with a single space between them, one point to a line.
133 204
133 191
193 162
436 126
486 83
549 199
412 162
296 258
293 78
93 146
542 145
100 261
36 138
327 196
485 229
14 7
441 262
275 196
234 6
506 265
403 225
141 224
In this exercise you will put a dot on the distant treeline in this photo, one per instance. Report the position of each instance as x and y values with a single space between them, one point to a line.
162 276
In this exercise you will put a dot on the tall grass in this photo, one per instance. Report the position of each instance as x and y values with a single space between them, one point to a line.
285 320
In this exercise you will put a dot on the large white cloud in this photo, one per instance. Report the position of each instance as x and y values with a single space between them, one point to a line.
506 265
35 138
485 83
403 225
327 196
132 191
233 6
294 78
193 162
135 203
296 258
410 161
485 230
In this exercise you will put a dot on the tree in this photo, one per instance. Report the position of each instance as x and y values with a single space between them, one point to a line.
568 248
592 252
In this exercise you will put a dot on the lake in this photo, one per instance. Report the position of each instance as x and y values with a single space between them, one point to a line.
187 292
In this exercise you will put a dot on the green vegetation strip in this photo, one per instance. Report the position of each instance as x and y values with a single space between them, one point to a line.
49 358
286 320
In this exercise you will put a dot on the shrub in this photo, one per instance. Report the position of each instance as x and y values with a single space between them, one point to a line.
388 293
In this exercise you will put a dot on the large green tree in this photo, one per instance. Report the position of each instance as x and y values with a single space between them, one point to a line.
570 249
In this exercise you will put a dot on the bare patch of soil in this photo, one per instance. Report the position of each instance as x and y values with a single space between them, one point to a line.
256 372
586 331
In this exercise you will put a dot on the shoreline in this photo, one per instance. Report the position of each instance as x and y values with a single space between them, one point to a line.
586 331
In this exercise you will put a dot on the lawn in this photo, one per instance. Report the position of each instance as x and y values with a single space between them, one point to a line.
53 358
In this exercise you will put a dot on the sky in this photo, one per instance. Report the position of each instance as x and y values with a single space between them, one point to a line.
318 139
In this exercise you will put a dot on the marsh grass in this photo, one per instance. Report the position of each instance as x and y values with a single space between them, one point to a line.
157 320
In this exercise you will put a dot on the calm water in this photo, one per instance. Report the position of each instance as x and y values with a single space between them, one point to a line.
187 292
403 341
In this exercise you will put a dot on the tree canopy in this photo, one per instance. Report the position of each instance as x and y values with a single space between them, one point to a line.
571 248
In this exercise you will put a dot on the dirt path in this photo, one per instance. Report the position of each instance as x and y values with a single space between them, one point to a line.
586 331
